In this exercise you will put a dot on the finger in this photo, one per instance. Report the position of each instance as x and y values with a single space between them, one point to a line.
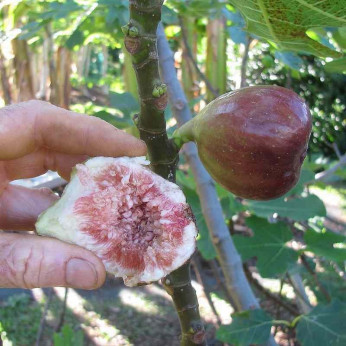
29 261
26 126
38 163
20 206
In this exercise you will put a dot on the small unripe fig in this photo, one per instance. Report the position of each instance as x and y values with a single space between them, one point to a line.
267 61
133 31
252 141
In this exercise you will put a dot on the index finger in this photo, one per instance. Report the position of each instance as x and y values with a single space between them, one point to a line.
27 126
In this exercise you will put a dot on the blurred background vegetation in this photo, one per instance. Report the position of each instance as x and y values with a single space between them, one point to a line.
71 54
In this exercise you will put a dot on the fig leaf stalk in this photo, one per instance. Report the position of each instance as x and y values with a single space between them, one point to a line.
140 41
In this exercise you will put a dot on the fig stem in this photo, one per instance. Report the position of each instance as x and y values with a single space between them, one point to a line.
184 134
140 42
145 15
175 283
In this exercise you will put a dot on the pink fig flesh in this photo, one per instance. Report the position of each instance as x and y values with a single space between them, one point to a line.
137 222
253 141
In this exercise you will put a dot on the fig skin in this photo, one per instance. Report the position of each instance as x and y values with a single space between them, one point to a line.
252 141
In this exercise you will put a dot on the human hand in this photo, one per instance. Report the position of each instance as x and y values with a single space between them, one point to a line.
36 136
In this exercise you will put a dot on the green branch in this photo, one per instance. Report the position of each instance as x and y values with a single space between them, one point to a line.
140 41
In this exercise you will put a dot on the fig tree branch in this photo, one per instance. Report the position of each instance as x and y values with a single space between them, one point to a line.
314 275
228 256
337 150
5 84
231 264
43 317
140 41
327 173
194 62
303 301
244 62
196 264
214 265
268 294
62 313
335 147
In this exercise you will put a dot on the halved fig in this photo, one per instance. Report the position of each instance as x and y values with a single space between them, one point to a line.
138 223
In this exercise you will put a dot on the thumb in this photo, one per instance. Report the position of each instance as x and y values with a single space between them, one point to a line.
29 261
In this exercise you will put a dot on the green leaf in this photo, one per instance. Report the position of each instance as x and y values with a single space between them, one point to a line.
290 59
285 22
250 327
111 15
76 39
231 206
336 66
30 30
316 162
124 102
306 176
341 172
235 17
198 8
68 337
186 179
324 325
322 244
169 17
340 37
60 9
204 243
299 209
269 246
237 34
236 31
120 123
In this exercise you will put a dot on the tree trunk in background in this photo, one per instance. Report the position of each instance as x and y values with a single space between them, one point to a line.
44 75
83 61
189 76
53 86
63 73
83 64
36 69
105 87
23 73
216 63
60 71
5 84
244 62
129 74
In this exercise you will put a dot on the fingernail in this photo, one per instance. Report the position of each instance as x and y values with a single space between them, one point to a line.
81 274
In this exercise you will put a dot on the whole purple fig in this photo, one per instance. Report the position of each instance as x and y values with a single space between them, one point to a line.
252 141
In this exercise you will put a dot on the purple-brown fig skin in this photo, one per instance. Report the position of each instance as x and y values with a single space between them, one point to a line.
253 141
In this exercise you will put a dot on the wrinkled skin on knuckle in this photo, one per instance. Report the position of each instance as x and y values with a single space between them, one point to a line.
7 273
22 265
